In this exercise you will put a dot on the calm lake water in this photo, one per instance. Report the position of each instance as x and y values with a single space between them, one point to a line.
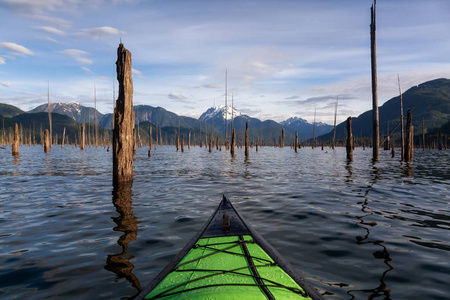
353 230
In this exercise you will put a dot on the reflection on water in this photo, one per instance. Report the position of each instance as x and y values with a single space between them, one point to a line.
382 289
407 169
127 223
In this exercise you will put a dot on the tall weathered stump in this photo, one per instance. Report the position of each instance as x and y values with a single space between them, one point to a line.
16 142
46 141
375 115
82 136
349 146
233 142
64 137
246 140
123 137
182 143
409 144
387 143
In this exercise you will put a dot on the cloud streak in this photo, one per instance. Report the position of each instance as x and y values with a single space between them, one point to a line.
16 48
99 33
77 55
50 30
177 97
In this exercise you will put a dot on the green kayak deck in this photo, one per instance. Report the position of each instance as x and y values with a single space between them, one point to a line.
227 259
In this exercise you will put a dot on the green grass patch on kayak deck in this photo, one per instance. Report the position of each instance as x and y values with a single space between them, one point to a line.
217 268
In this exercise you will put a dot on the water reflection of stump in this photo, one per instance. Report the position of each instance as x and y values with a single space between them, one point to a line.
127 223
382 290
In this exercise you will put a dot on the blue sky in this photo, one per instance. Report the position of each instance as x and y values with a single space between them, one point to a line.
284 58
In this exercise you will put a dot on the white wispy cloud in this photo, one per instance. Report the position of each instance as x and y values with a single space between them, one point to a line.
16 48
2 61
49 29
87 69
47 38
78 55
213 86
176 96
5 84
99 33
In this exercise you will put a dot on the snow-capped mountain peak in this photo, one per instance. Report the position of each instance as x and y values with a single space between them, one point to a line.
226 112
294 120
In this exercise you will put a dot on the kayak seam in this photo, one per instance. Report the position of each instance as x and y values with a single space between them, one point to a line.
253 269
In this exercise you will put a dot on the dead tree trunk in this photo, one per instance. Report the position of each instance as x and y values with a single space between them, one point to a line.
409 145
233 142
387 143
49 114
150 142
375 116
123 137
182 143
46 141
210 143
64 137
402 137
333 143
15 144
189 141
83 136
246 139
349 146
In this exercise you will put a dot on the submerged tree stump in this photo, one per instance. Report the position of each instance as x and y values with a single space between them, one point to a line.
349 146
150 142
210 143
64 137
246 140
387 143
83 136
123 138
15 144
409 144
182 143
375 115
233 142
46 141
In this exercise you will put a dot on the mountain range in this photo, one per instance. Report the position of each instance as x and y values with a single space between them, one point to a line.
430 101
160 117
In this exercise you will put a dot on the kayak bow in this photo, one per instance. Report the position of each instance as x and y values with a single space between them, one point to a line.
228 259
